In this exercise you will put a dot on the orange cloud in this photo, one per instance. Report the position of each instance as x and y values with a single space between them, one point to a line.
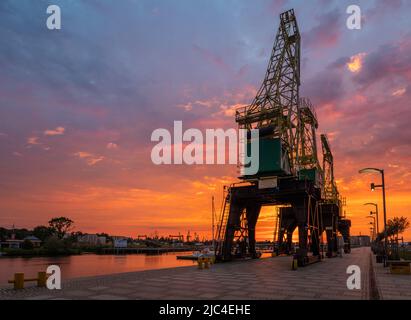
90 158
356 62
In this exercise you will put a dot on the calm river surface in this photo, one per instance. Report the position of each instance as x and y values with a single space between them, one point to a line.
89 264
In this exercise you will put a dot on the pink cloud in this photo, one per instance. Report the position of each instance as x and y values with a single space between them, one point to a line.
326 34
211 57
33 140
55 132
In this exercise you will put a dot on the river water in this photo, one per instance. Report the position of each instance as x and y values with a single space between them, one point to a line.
89 264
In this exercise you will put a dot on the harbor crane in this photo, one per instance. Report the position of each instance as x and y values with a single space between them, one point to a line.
289 174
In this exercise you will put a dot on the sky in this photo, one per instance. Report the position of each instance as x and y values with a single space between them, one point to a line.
78 105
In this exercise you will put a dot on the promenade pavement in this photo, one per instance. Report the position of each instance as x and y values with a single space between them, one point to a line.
391 286
270 278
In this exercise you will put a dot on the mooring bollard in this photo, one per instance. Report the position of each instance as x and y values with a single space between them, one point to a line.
206 263
200 263
19 280
41 279
294 264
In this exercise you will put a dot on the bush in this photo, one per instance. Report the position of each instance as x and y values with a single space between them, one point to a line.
27 245
54 245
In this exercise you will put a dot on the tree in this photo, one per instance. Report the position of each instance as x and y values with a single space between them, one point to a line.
21 233
106 235
42 232
395 227
3 234
61 226
54 245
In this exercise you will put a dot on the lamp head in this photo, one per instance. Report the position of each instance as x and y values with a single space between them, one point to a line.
372 186
370 203
370 170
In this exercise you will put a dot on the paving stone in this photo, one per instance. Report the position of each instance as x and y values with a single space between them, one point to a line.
40 297
120 291
99 288
108 297
78 293
391 286
209 295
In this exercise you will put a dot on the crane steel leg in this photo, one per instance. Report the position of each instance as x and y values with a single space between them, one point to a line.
233 223
253 212
287 227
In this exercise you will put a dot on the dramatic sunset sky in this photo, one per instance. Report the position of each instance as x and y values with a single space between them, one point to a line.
78 105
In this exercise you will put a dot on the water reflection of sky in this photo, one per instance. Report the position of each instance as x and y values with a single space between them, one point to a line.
89 264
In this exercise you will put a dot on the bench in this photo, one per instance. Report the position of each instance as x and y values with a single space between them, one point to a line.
399 266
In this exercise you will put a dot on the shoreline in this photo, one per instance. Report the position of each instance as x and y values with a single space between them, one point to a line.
23 253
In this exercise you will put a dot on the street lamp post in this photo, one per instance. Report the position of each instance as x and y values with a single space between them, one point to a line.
373 187
372 230
376 213
372 223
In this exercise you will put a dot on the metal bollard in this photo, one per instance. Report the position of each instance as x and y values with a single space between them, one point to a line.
294 264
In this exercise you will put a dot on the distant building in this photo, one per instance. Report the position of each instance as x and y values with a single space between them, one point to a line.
120 242
14 243
360 241
92 239
11 244
34 240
